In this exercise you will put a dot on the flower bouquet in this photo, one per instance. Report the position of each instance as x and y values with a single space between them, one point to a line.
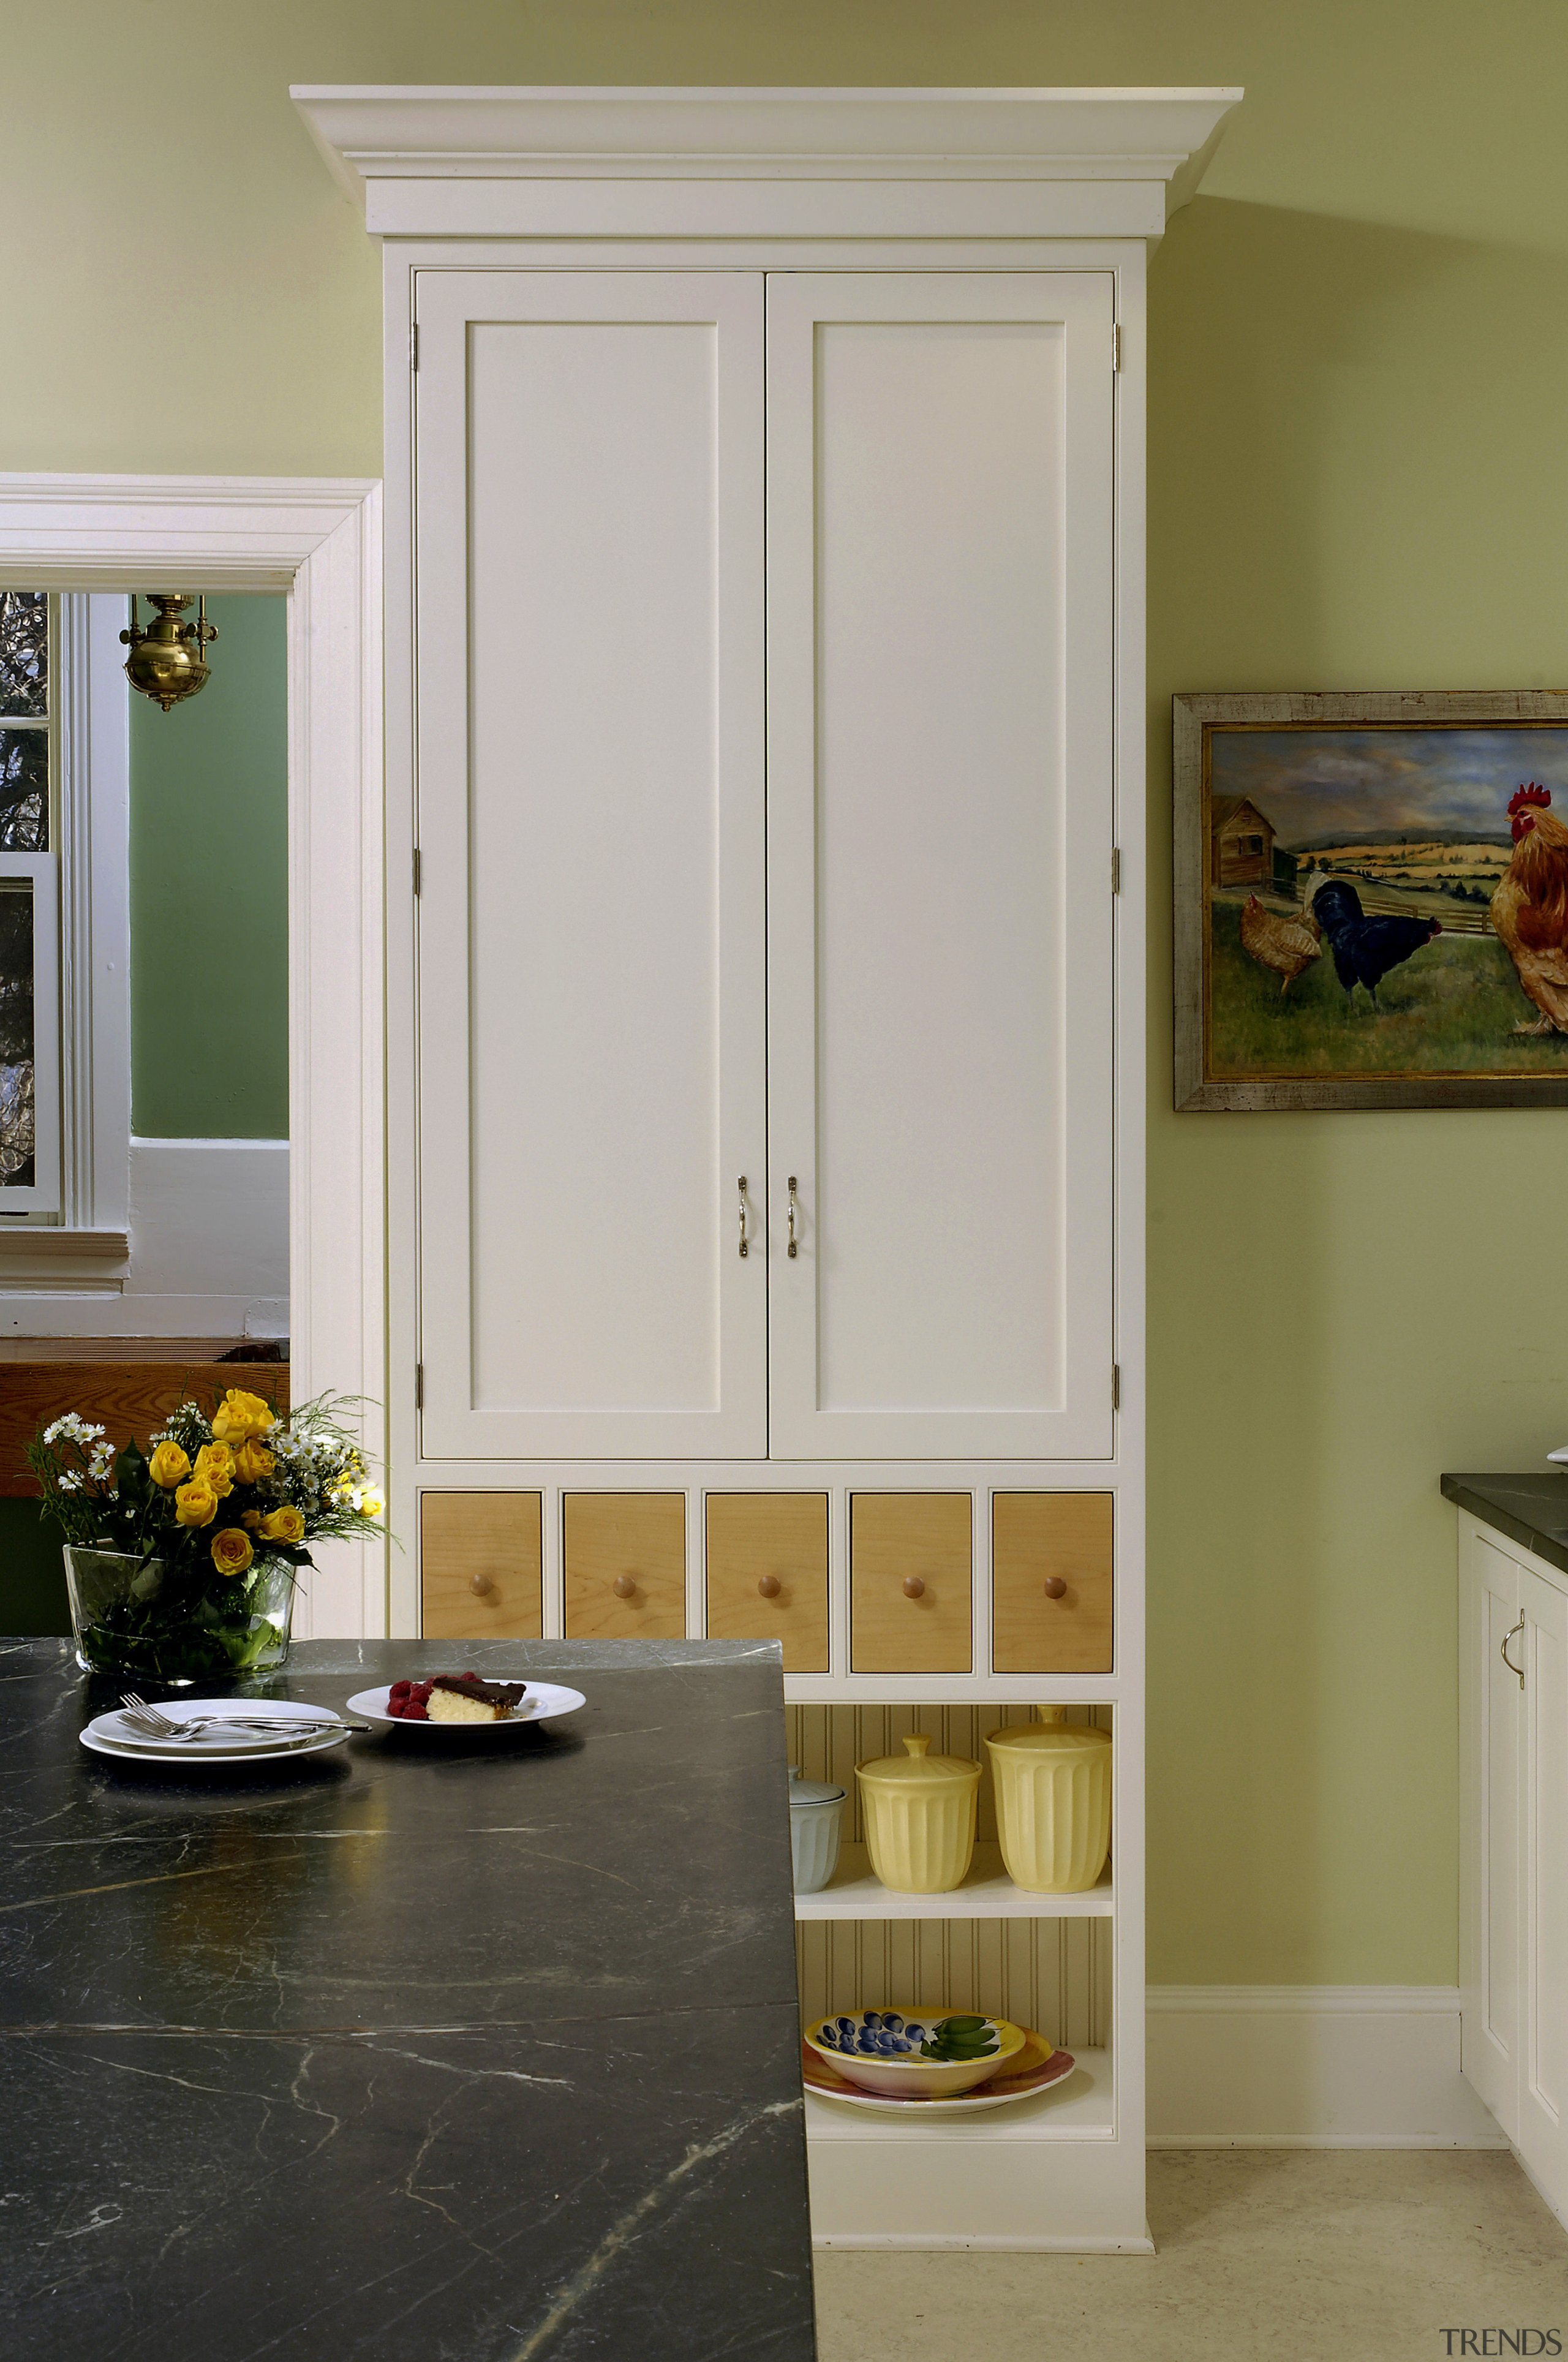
182 1567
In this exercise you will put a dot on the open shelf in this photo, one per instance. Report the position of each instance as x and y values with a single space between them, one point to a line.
987 1893
1081 2107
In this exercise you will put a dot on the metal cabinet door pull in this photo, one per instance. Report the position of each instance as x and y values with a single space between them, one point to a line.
744 1249
1503 1649
794 1210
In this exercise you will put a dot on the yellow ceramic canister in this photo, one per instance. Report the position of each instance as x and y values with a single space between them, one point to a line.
920 1816
1053 1786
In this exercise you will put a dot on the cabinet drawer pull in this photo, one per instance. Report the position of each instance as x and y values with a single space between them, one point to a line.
1503 1649
481 1585
769 1586
744 1249
794 1210
914 1587
623 1587
1055 1587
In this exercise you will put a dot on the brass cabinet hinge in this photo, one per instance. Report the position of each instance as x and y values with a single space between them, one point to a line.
1115 1385
413 346
1116 870
416 869
1115 345
419 1386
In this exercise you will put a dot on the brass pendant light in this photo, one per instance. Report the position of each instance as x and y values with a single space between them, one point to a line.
166 660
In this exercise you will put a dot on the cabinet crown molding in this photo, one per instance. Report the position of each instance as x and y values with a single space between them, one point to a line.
383 141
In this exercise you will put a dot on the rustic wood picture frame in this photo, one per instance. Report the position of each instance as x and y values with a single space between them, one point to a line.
1194 720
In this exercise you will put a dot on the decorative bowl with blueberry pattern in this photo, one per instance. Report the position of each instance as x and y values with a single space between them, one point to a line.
904 2051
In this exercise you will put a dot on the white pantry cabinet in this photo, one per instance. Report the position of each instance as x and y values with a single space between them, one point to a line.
1514 1889
928 1119
766 717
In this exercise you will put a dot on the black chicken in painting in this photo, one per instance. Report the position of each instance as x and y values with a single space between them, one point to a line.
1364 948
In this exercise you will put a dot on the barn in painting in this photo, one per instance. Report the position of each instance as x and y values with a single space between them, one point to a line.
1242 843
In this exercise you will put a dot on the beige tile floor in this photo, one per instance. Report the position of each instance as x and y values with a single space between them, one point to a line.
1303 2255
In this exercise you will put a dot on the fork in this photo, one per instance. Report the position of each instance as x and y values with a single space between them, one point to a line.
160 1725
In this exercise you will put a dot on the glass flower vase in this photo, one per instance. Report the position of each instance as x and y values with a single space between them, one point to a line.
146 1621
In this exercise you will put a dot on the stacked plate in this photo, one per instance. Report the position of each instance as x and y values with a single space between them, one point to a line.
222 1731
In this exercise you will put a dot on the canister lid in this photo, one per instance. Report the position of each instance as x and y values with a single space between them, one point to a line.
916 1767
1051 1736
812 1792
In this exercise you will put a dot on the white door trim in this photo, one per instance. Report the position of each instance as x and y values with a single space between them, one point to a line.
319 539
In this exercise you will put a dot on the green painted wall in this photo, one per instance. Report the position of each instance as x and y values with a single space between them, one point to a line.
209 892
1359 480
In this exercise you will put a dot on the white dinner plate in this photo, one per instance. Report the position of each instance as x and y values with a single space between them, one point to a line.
543 1699
110 1734
1053 2067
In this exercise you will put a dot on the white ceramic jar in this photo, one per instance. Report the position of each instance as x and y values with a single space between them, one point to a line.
920 1816
816 1824
1053 1790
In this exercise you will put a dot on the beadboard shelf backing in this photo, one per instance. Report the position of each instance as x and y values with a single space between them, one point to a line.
1050 1974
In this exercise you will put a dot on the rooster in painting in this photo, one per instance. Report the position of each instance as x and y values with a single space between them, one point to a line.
1286 944
1365 948
1529 909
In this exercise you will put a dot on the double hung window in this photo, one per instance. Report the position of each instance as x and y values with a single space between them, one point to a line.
29 909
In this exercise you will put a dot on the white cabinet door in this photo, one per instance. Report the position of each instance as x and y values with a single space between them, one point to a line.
1492 1713
940 710
588 528
1543 2130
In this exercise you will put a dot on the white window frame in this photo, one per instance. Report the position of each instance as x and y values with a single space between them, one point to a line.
319 539
79 1200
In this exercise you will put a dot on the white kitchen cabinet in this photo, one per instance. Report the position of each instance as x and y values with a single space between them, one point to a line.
940 703
589 582
767 706
928 1122
1514 1881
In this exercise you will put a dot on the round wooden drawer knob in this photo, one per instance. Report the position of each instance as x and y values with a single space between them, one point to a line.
480 1584
769 1586
914 1588
623 1587
1055 1587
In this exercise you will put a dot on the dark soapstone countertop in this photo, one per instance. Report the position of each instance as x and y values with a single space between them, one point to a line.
1531 1510
468 2048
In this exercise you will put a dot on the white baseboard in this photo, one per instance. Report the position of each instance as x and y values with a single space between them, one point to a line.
1310 2067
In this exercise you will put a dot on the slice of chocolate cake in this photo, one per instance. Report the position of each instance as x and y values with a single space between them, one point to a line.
463 1698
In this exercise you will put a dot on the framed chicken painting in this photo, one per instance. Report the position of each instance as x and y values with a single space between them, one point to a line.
1372 901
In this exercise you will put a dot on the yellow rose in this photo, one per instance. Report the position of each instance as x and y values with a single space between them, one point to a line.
371 1503
253 1461
195 1504
252 1518
232 1553
240 1415
168 1466
284 1525
214 1466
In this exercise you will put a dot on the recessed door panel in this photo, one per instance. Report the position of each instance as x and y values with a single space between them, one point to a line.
940 711
590 917
767 1573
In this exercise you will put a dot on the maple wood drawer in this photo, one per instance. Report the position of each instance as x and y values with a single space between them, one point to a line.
626 1565
480 1566
1052 1583
910 1582
767 1573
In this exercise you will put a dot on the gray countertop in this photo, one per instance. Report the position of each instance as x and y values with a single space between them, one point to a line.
1530 1509
471 2049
